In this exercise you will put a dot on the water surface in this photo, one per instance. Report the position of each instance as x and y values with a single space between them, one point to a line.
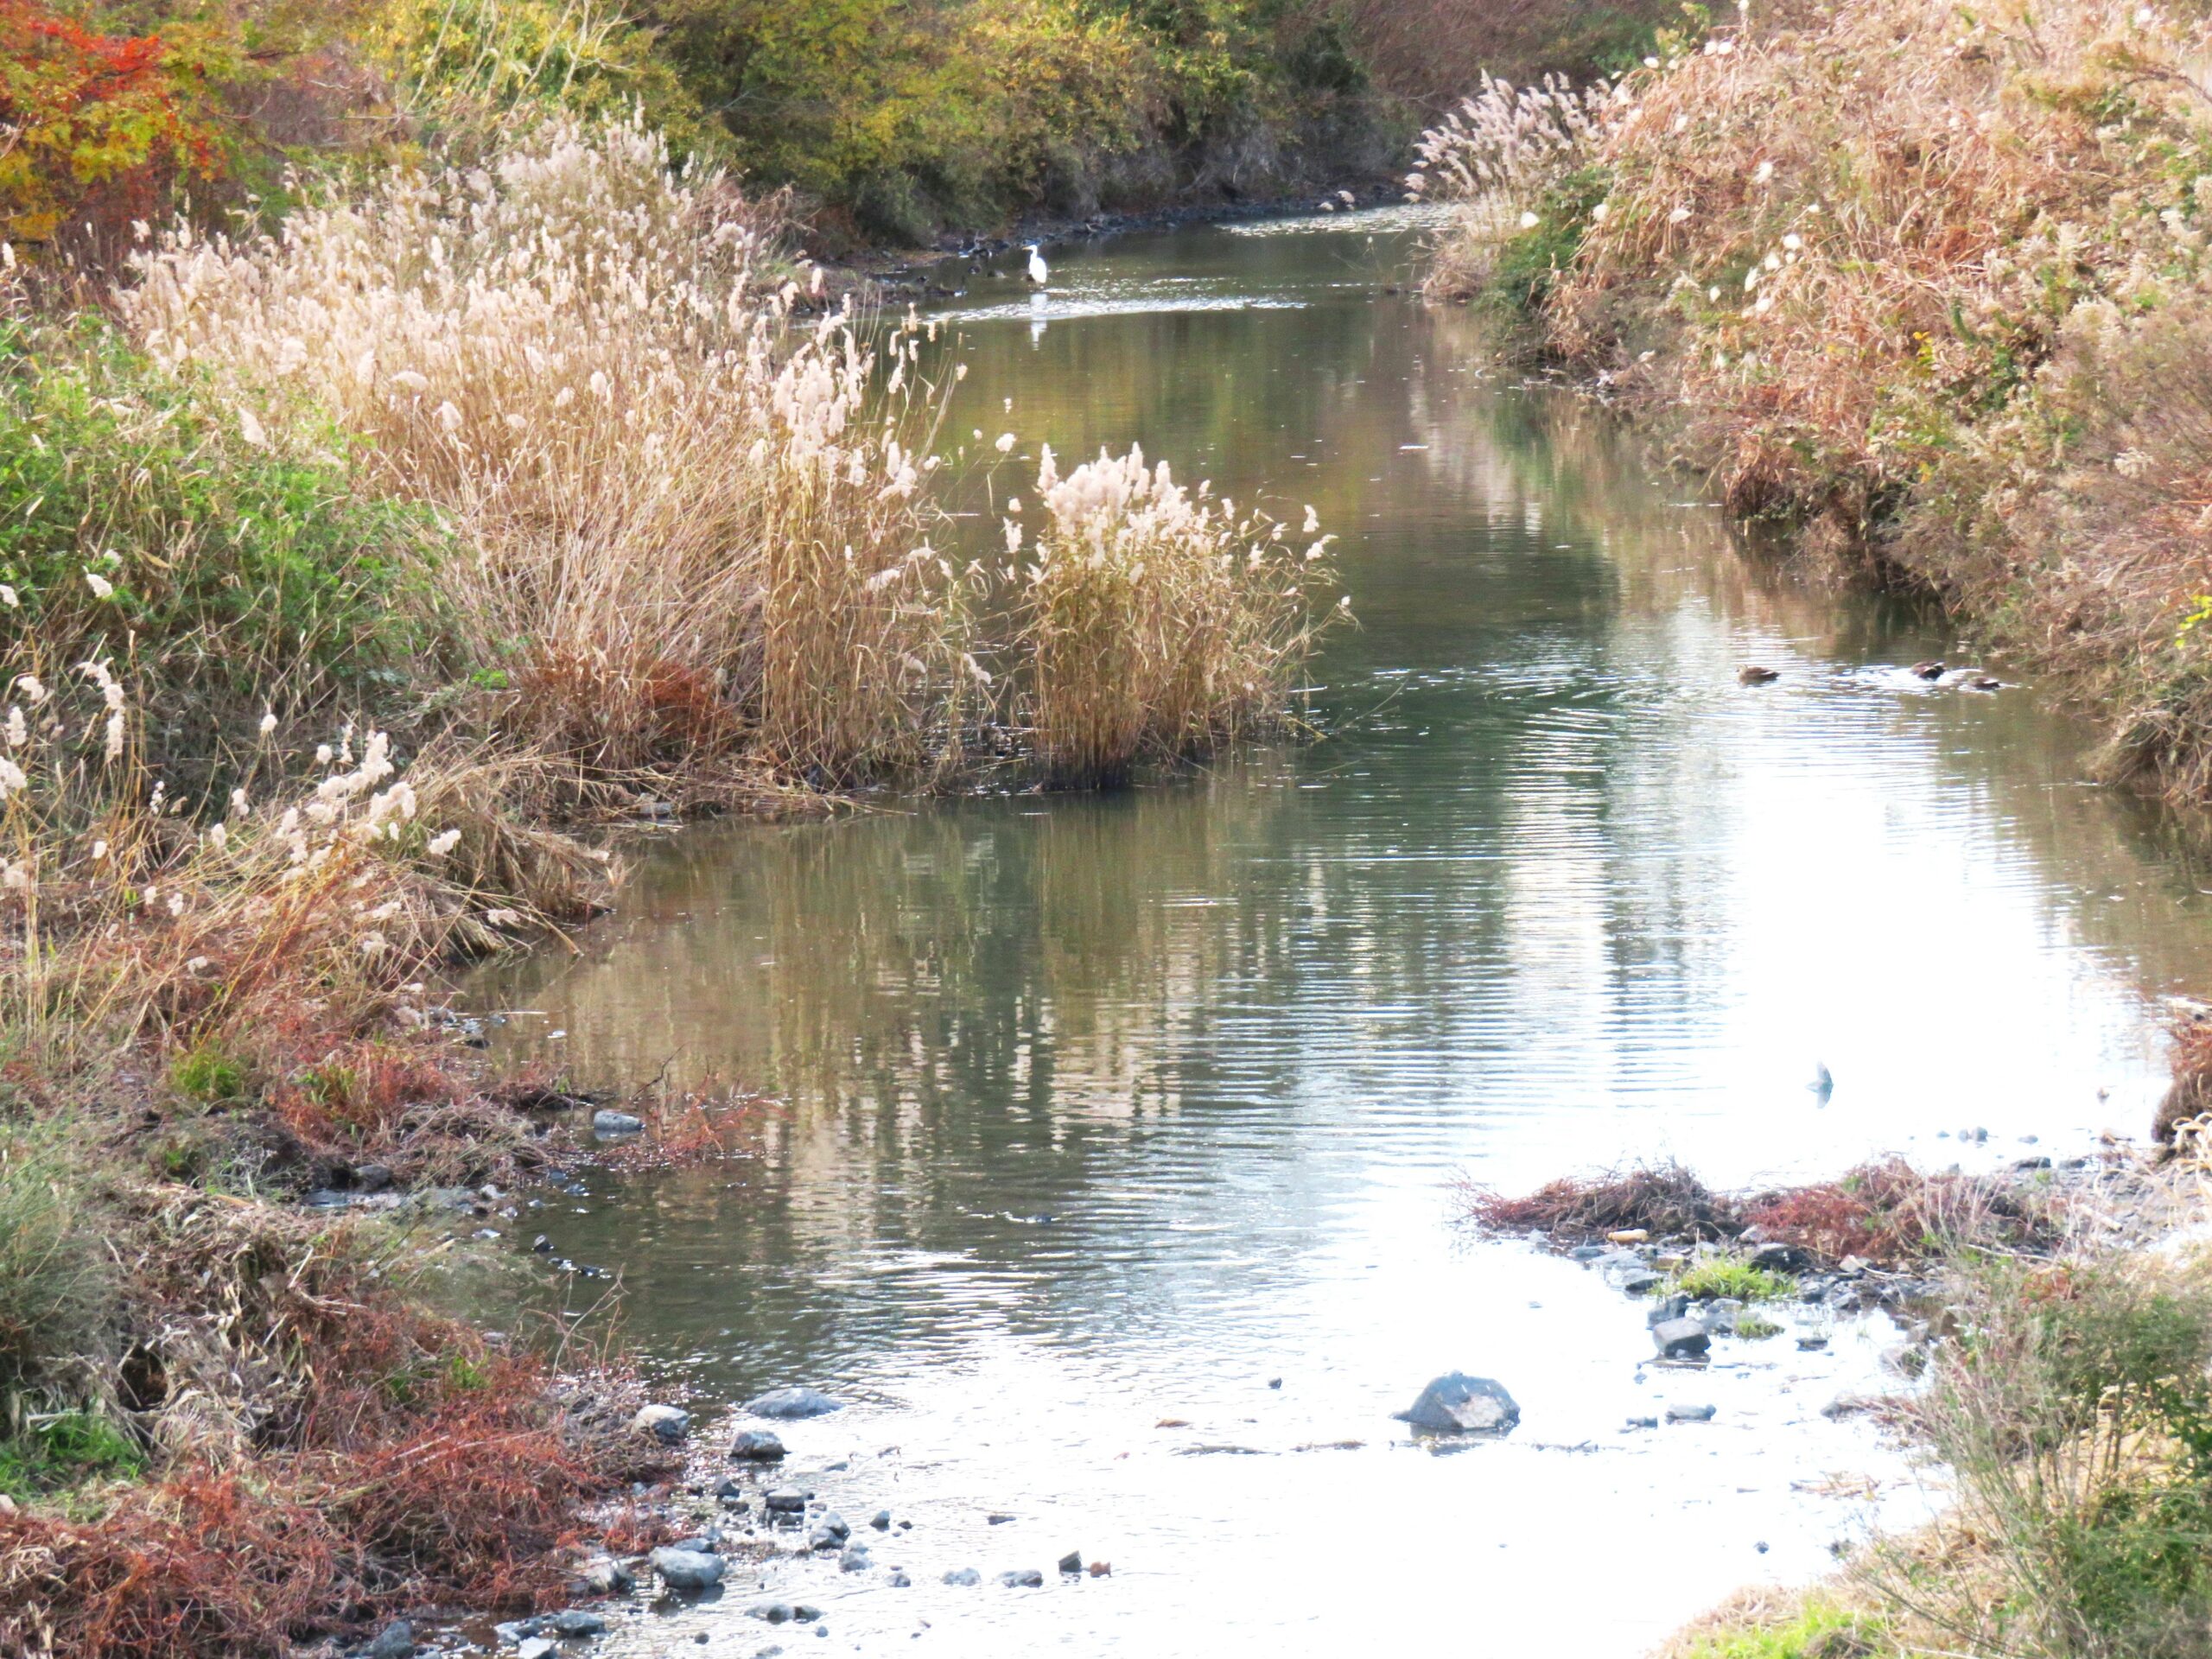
1099 1115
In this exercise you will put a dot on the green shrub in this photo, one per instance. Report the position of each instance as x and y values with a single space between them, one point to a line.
2077 1415
209 1073
146 521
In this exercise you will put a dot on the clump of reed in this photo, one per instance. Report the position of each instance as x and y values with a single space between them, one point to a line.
692 519
696 523
1497 157
1156 620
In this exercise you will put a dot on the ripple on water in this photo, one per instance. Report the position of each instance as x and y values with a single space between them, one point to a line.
1102 1113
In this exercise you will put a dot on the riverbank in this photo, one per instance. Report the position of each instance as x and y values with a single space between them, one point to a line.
2057 1326
1918 290
356 605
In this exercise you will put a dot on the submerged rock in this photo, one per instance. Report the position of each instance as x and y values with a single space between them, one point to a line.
616 1123
1457 1403
577 1622
1689 1413
1023 1577
687 1569
790 1405
963 1575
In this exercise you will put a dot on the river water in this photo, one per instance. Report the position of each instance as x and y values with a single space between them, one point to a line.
1111 1175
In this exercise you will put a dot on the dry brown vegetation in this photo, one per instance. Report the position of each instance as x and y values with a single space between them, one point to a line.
1931 285
1887 1213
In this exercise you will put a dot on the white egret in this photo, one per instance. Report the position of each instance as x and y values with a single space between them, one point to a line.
1039 271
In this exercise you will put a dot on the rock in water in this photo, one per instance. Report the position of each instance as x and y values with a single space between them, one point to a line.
757 1446
1681 1338
963 1575
667 1424
1022 1578
687 1569
615 1124
1457 1403
790 1404
394 1641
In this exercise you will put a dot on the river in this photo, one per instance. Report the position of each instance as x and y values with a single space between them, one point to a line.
1111 1175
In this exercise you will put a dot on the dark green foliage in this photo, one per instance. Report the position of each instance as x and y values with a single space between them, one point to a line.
240 571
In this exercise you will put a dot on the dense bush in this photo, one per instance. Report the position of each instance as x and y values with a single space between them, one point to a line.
148 520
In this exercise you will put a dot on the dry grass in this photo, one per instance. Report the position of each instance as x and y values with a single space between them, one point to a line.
1158 621
1663 1199
1887 1214
326 1449
698 525
1932 285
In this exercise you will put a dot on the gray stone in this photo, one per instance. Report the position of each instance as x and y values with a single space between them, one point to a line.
1022 1578
880 1521
371 1178
616 1123
802 1613
789 1405
854 1558
517 1630
1456 1403
537 1647
899 1580
757 1446
1586 1253
700 1543
771 1612
1643 1422
603 1575
963 1575
577 1622
1782 1258
1071 1563
1681 1339
687 1569
1851 1405
785 1501
394 1641
1689 1413
1668 1307
1719 1315
667 1424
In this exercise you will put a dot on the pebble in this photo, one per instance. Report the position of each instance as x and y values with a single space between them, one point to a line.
771 1612
899 1580
1022 1578
1689 1413
880 1521
963 1575
1643 1422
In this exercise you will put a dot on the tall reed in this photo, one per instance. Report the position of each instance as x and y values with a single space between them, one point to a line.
1158 619
692 517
